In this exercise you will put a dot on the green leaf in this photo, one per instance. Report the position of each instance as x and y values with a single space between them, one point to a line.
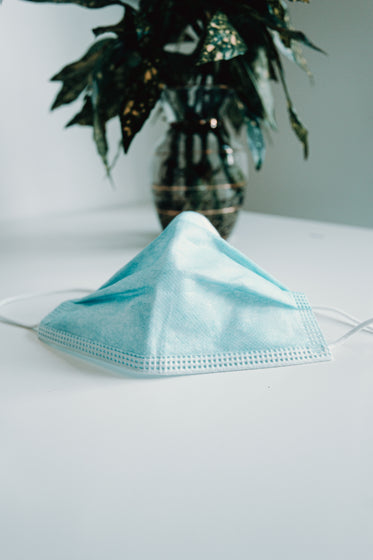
296 125
222 41
235 111
85 115
293 52
238 44
279 10
99 128
273 22
77 75
234 73
164 21
256 141
141 95
85 3
109 81
259 74
295 35
103 74
286 46
125 29
300 131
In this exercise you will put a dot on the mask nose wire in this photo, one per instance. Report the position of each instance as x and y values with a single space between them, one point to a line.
359 325
23 297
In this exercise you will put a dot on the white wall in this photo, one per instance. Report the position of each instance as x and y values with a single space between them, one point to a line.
44 168
336 183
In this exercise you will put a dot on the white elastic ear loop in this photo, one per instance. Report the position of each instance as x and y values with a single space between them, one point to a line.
359 325
22 297
349 333
319 309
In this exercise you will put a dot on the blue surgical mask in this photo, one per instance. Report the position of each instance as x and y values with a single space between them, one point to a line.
189 303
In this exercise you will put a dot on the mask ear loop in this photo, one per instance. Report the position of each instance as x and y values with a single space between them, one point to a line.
359 325
8 301
321 309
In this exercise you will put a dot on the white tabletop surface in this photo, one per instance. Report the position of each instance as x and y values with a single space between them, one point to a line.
272 464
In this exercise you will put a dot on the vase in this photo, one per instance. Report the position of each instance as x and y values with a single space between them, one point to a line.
196 164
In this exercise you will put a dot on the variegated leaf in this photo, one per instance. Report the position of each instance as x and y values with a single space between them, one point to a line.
223 42
141 95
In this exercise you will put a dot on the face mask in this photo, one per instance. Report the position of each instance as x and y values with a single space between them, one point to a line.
188 303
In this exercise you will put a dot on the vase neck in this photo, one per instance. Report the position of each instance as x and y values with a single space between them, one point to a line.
199 126
201 105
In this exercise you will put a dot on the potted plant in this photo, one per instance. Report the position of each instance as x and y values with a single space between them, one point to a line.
210 62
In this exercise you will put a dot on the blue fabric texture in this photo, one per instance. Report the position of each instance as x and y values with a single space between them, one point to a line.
189 303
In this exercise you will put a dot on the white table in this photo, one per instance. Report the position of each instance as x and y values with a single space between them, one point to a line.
271 464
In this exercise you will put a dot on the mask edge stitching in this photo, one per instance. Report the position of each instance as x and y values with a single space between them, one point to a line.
254 359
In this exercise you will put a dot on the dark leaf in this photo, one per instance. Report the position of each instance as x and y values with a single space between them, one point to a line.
85 3
234 74
168 16
112 85
297 36
85 116
293 52
141 95
272 22
235 112
299 130
297 126
251 81
289 48
175 69
109 82
279 10
87 61
76 76
117 28
125 29
99 128
103 73
256 141
236 42
260 76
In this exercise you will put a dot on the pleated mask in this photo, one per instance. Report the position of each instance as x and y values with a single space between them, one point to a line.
188 303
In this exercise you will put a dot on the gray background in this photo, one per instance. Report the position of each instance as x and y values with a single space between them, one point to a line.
336 182
45 169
